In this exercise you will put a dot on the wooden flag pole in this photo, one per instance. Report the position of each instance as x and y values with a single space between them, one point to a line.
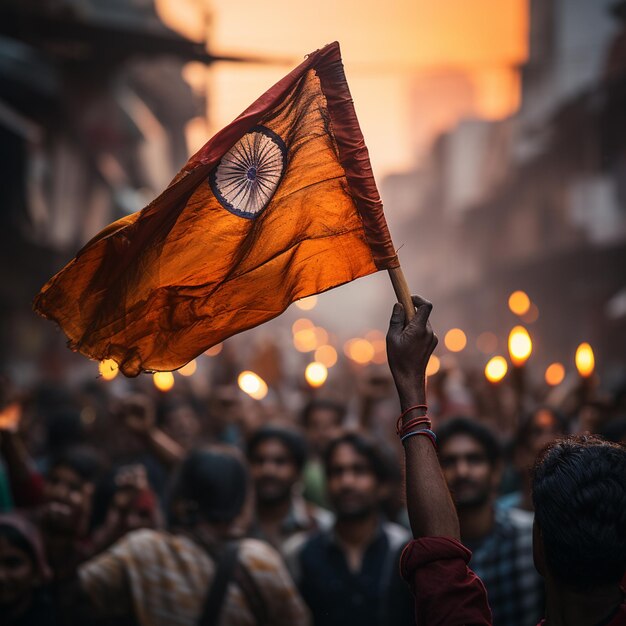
402 291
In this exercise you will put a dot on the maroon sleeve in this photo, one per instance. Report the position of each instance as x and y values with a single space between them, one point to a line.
446 591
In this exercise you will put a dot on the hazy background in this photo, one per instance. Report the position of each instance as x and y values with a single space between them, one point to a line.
496 130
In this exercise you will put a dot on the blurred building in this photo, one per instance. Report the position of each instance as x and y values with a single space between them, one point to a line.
535 202
93 109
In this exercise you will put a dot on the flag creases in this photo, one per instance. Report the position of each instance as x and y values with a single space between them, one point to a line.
279 205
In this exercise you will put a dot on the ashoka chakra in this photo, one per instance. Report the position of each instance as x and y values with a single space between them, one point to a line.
247 176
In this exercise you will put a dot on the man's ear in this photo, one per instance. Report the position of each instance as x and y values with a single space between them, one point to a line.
539 555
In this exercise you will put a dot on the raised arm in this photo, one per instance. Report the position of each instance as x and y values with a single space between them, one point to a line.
431 511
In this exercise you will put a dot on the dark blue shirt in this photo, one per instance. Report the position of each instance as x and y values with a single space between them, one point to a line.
374 596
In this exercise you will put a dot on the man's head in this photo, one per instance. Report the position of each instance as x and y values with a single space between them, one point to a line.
579 493
210 486
322 421
535 432
469 454
276 456
22 561
357 474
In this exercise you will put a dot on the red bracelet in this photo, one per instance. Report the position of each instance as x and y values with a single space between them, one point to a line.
411 408
416 421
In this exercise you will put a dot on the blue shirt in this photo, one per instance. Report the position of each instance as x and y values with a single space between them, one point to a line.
374 596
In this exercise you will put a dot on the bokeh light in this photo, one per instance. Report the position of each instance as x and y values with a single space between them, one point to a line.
585 360
496 369
252 384
532 315
487 342
215 350
380 351
305 340
189 369
455 340
163 381
555 373
327 355
359 350
520 345
306 304
108 369
433 365
519 302
301 324
316 374
321 336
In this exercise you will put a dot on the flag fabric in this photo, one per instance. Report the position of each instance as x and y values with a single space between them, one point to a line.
279 205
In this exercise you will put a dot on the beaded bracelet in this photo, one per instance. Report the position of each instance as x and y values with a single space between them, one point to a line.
422 431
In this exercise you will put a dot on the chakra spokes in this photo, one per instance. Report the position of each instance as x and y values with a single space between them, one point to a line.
247 176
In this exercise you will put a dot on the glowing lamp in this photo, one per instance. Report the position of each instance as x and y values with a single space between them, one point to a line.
108 369
433 365
520 345
189 369
455 340
361 351
252 384
496 369
519 302
215 350
585 361
163 381
326 355
316 374
555 373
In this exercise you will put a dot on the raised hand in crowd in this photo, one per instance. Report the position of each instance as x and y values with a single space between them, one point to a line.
139 415
409 347
435 563
133 505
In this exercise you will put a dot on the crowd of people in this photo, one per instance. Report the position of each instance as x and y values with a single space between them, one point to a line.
155 509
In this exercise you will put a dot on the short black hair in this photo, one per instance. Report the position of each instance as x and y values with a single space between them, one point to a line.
376 454
64 428
292 440
579 494
84 460
323 404
215 480
477 431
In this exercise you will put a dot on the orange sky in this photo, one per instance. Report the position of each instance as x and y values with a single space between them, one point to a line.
414 66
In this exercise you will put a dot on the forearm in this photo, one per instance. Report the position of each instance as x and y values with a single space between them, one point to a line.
168 450
430 507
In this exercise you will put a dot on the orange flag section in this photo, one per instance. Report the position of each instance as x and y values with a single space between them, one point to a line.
281 204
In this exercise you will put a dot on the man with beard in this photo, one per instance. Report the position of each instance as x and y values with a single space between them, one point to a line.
349 574
500 540
277 456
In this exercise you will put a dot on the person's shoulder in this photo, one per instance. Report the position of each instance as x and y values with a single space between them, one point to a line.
398 536
513 521
258 554
520 519
304 541
323 518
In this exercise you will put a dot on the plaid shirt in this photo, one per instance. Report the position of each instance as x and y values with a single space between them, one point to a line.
504 562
